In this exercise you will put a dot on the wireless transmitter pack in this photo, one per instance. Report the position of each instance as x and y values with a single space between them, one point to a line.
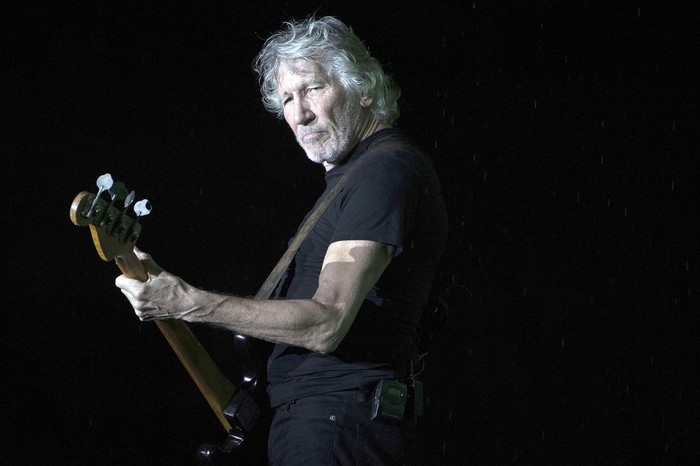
389 401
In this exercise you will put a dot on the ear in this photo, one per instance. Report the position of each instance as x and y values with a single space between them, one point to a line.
366 100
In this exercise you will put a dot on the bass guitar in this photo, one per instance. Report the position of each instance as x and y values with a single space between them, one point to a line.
114 234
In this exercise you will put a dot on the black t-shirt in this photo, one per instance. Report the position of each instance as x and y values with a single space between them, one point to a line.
392 198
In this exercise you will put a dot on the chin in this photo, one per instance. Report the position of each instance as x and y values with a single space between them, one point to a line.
322 156
314 158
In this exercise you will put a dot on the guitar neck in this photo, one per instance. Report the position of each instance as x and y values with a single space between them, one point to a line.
214 385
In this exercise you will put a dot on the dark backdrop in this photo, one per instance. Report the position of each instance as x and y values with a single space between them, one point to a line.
560 132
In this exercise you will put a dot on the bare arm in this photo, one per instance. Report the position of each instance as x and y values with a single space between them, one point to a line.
350 269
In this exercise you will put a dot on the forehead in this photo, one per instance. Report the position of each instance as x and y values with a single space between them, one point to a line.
293 74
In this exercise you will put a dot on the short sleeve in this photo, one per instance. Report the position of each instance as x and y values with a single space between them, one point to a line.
375 205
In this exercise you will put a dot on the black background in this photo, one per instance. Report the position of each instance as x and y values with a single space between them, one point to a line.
561 133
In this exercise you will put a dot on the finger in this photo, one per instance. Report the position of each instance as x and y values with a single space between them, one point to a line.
146 315
135 302
140 254
139 306
143 317
148 262
128 284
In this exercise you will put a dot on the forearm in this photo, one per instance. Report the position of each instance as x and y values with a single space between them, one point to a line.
306 323
320 323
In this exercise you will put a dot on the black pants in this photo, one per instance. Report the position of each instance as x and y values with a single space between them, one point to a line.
336 429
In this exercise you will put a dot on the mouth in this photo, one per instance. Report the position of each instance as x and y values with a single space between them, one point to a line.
310 137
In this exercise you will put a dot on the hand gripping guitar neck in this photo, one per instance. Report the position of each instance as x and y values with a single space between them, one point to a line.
114 234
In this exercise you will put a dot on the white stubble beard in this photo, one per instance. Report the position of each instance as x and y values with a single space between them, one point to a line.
340 136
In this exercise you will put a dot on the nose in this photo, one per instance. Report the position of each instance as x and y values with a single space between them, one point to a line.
301 113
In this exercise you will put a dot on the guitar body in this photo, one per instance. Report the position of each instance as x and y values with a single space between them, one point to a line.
114 234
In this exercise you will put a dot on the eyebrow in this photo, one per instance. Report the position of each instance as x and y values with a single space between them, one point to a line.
306 83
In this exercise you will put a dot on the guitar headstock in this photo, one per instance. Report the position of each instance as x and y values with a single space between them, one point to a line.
114 232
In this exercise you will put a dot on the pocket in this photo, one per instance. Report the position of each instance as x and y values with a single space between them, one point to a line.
325 406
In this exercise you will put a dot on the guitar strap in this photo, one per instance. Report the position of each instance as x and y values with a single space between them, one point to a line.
271 282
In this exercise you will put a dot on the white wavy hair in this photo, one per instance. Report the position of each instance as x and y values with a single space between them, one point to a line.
334 47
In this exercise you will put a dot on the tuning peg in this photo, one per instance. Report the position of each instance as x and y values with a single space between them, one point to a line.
103 182
142 208
129 199
118 191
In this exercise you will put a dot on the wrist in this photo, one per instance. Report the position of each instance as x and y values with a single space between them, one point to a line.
196 309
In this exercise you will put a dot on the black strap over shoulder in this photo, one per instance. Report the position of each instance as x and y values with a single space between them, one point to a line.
274 277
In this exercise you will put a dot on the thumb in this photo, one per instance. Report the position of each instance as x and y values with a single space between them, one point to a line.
149 264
